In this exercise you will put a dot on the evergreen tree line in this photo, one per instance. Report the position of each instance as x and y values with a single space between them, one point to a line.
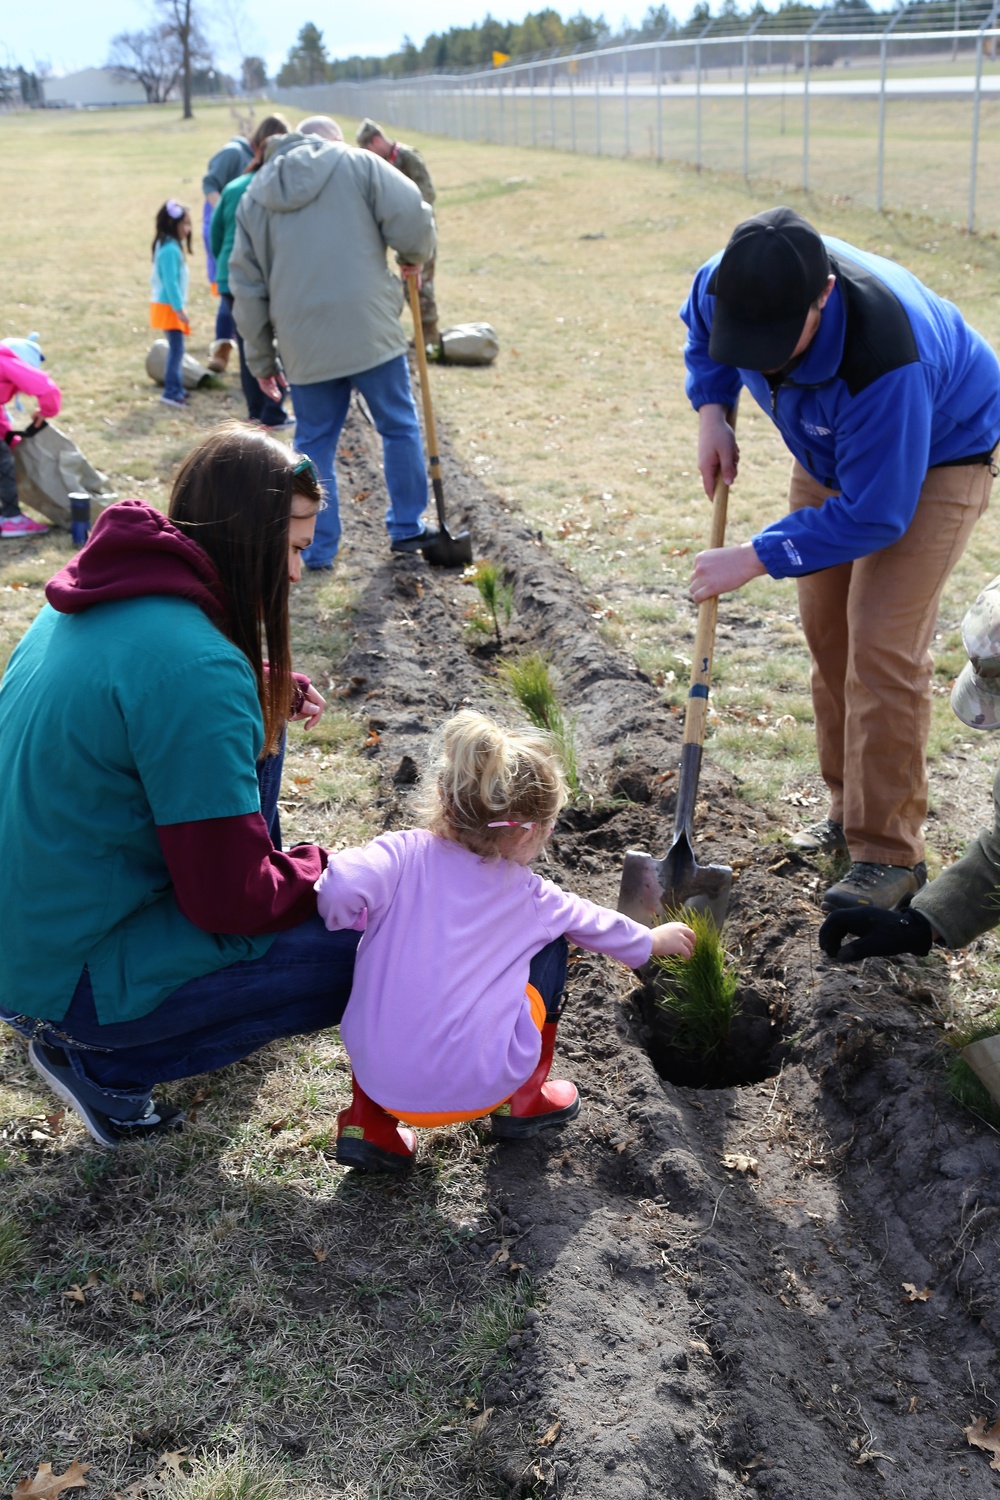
544 31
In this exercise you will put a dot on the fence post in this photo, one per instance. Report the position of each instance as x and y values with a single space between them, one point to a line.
880 179
975 132
534 140
697 105
514 77
597 103
805 115
659 104
625 57
552 108
746 108
499 78
572 105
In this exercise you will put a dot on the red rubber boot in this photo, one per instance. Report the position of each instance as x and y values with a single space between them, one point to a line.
370 1138
539 1102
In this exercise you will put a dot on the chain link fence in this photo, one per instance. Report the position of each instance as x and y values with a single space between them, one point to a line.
889 111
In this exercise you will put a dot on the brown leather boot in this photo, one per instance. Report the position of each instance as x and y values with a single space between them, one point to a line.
219 355
540 1102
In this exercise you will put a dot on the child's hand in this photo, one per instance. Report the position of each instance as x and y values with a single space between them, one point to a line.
673 938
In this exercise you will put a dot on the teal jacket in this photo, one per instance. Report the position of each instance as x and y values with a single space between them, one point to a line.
223 230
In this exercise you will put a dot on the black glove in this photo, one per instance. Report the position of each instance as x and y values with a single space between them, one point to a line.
880 933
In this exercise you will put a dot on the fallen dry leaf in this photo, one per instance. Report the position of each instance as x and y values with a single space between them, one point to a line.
138 1296
173 1463
980 1436
737 1162
319 1252
373 739
913 1295
75 1293
48 1486
478 1424
551 1436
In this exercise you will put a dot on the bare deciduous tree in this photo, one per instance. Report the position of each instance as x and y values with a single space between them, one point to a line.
181 19
153 58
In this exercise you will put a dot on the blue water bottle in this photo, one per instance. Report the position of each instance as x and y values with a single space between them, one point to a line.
79 505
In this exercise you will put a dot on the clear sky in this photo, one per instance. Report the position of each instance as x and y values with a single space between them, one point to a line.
69 35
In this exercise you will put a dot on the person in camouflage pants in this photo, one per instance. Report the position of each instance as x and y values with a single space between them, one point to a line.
412 165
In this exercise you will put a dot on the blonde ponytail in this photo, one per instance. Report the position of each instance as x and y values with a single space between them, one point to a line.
481 772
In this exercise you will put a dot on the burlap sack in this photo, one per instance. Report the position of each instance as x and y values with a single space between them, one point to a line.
49 467
469 344
192 373
983 1058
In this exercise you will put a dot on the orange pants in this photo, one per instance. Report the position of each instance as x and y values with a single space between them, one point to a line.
869 625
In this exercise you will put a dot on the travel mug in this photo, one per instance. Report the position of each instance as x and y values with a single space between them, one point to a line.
79 504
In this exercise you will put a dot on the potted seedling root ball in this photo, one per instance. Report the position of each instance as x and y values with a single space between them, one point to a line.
705 1026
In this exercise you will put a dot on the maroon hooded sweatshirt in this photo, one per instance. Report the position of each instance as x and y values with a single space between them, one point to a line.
226 872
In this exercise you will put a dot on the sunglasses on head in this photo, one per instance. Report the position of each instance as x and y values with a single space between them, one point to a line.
306 466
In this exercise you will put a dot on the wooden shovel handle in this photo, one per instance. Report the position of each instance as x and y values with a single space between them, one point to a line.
696 714
425 385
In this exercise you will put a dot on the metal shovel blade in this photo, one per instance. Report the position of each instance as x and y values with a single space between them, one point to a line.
448 551
650 888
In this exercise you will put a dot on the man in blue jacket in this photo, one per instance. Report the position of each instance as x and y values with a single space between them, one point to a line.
890 405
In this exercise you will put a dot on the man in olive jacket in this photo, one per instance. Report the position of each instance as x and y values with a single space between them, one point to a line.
308 274
964 901
408 160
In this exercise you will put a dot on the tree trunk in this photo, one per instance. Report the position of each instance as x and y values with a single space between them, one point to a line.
185 30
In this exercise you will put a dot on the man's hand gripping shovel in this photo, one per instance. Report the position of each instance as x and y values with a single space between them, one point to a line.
652 888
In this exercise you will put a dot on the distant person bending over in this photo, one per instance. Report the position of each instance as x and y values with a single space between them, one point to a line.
18 377
409 161
308 268
228 163
890 405
460 971
260 408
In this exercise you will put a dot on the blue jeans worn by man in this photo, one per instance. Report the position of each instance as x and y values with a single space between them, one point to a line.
321 411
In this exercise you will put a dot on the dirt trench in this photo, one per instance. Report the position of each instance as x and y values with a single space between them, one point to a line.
705 1330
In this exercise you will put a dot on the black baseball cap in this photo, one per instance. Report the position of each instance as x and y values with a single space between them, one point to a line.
770 274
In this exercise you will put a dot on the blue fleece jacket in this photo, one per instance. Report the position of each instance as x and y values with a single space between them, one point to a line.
893 383
168 281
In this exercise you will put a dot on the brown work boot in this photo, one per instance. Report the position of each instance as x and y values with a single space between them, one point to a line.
885 886
219 355
431 334
826 837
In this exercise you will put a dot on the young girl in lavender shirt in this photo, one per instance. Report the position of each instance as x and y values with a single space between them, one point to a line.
458 980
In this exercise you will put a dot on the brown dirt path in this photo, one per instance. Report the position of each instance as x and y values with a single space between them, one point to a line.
702 1331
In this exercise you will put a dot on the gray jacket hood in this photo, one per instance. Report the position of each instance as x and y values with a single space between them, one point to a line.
296 172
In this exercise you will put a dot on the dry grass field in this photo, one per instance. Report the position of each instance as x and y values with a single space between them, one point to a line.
148 1327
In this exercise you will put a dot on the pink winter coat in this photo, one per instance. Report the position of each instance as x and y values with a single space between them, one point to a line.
19 378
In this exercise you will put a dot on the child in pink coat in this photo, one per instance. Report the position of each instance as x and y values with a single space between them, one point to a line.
19 378
458 978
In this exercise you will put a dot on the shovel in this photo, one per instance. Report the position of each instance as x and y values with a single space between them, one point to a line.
448 551
652 887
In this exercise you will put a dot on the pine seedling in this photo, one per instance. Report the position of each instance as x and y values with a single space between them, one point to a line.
700 994
528 680
497 596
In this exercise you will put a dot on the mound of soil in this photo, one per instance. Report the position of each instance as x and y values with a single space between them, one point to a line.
788 1288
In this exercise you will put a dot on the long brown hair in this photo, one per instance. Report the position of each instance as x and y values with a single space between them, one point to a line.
233 496
270 125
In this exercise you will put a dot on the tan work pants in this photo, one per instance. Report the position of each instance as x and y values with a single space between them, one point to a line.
869 625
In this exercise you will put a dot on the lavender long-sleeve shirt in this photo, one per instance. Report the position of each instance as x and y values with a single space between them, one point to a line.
438 1018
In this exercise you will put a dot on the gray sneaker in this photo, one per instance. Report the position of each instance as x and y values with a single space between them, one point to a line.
826 837
885 886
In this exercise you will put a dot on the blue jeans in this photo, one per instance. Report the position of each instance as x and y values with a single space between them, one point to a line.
173 384
321 411
260 408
